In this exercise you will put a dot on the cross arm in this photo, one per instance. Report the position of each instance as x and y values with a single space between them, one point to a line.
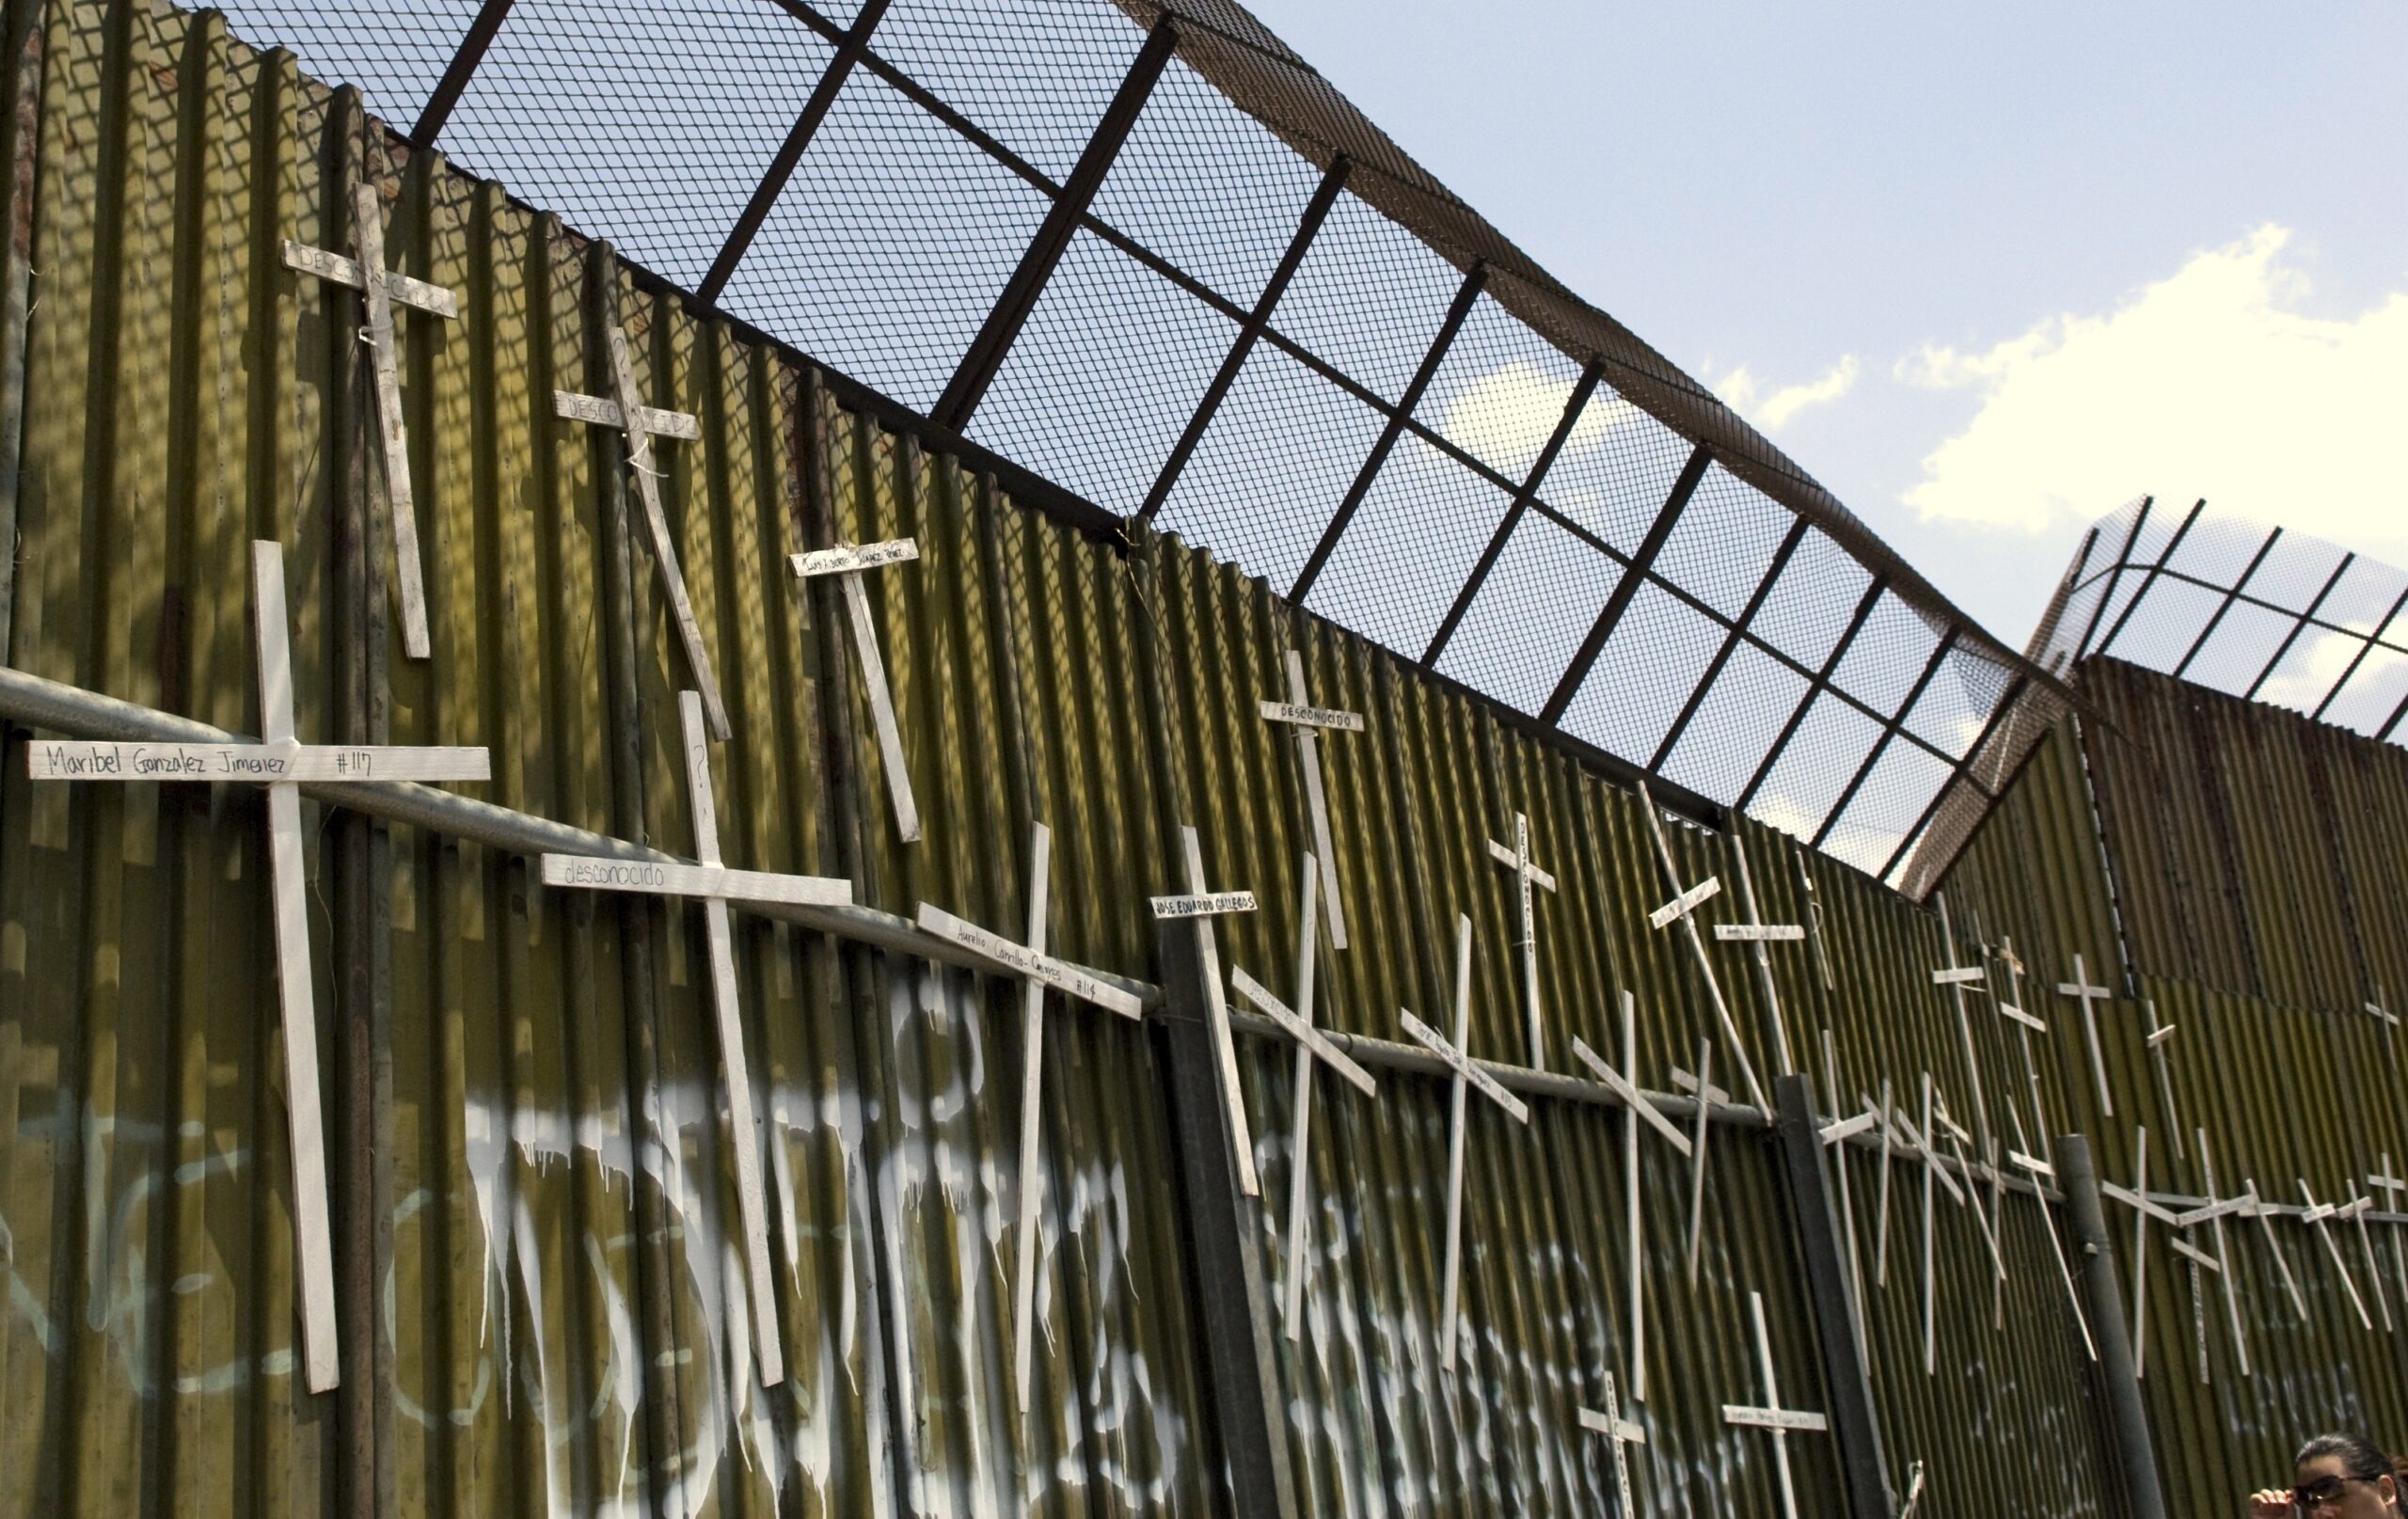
2139 1200
1621 1429
400 289
264 763
1631 1096
1302 1032
1507 858
1465 1067
719 881
848 559
1688 902
1021 960
1312 717
604 412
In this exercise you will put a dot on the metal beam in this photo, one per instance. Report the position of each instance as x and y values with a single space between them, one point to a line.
1889 731
2116 574
1618 600
2094 1257
2358 658
1223 1230
985 357
1780 557
1961 772
1581 391
789 154
1816 684
1464 296
2392 721
1307 227
457 74
2304 618
2224 606
2164 556
1856 1425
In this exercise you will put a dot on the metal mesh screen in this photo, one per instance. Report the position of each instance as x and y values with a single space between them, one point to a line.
1148 254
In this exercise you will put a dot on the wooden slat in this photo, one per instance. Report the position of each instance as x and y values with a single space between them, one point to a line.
262 764
603 412
368 223
664 879
664 545
435 300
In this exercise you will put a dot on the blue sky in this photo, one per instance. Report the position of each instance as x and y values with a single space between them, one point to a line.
2011 265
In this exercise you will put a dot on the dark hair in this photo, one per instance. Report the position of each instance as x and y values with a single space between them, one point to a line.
2359 1457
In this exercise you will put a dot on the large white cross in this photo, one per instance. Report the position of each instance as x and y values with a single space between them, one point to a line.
1298 1023
848 564
1640 1111
1702 1087
2041 1172
1203 906
641 423
717 886
1310 722
1526 875
1782 1421
2091 997
385 290
2143 1207
278 762
1467 1075
2317 1216
1623 1433
1038 971
1756 933
1683 908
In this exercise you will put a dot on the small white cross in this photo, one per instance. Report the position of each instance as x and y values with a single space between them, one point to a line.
642 424
717 886
1310 1044
848 564
1890 1139
1956 978
1623 1433
2317 1216
1771 1415
1526 875
2390 1024
2143 1207
278 762
1036 971
1682 908
1708 1095
2159 1036
1203 906
1467 1075
2039 1169
2026 1025
2091 997
385 290
1310 722
1757 933
1640 1111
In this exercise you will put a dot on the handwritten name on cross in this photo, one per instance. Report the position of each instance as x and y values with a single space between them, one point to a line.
2317 1216
1036 971
1783 1422
2143 1207
1624 1434
1467 1075
1682 908
384 290
1756 933
848 564
1642 1111
1310 722
1526 875
642 424
2091 997
2041 1173
716 886
279 762
1310 1044
1203 906
1701 1087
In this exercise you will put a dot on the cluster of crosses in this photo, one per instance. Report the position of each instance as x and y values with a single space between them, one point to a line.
279 762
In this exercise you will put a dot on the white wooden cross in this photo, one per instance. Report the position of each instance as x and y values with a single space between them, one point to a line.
278 762
1914 1491
1640 1111
1038 971
2041 1173
1756 933
1934 1174
2025 1026
848 564
1203 906
1623 1433
1526 874
1309 722
2355 1209
2257 1207
2390 1024
1683 908
1298 1022
2160 1035
1891 1139
642 424
2091 997
717 886
2392 1187
385 288
1702 1087
2213 1212
2143 1207
2317 1216
1467 1075
1782 1421
1837 1132
1956 978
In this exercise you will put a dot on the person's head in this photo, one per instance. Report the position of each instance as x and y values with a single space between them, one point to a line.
2343 1476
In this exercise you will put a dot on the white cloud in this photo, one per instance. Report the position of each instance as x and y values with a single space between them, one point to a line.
1507 415
2210 383
1741 392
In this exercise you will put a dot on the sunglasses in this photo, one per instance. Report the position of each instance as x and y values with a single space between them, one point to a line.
2321 1493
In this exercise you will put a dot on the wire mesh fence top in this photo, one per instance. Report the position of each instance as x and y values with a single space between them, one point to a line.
1146 253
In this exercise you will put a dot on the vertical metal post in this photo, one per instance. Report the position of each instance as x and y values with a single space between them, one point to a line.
1625 590
2094 1267
1855 1426
1224 1237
